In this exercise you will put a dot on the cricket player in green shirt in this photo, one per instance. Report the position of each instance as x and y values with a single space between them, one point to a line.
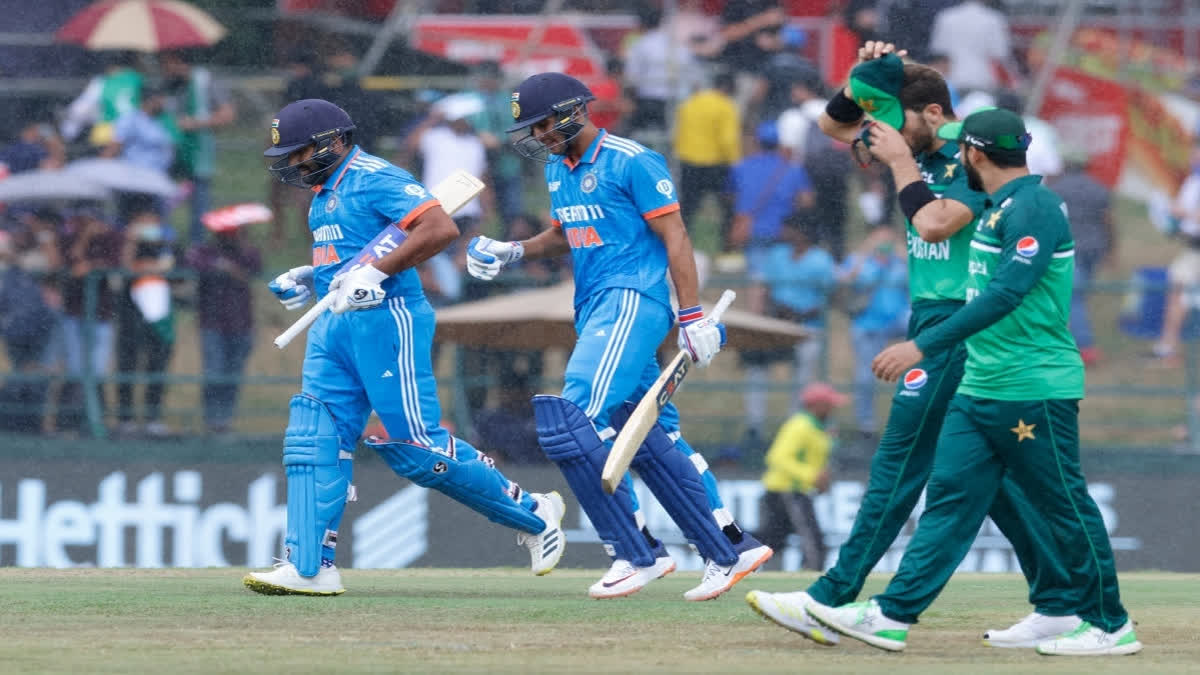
909 103
1016 412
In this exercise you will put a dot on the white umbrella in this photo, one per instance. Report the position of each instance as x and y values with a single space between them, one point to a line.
49 185
122 176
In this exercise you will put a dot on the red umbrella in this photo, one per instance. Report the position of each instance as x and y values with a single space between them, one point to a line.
141 25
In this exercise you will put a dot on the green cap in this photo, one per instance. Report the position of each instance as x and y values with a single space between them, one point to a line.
989 129
876 86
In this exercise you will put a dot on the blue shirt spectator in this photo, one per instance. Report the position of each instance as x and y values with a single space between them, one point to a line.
767 187
878 278
142 136
799 278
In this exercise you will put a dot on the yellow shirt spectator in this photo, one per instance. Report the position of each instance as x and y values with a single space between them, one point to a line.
707 129
799 455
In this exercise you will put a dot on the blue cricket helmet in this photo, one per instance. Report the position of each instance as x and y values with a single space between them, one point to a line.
546 94
304 122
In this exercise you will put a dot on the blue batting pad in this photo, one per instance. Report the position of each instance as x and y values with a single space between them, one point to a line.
570 441
465 475
678 485
318 480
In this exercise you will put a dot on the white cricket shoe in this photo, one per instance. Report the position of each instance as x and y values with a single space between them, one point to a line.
1088 640
1031 631
285 580
862 621
719 578
546 549
625 578
787 610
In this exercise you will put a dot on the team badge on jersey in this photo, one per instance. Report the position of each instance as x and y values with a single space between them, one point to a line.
331 204
589 182
414 190
1027 247
665 187
915 379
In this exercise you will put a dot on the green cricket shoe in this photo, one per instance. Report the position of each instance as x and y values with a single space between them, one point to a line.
862 621
1088 640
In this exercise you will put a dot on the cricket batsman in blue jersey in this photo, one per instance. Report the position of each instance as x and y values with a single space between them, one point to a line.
615 210
371 351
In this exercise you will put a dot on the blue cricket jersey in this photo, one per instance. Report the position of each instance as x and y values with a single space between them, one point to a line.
361 197
602 204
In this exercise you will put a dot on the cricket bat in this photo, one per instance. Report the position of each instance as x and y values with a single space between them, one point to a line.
455 192
645 415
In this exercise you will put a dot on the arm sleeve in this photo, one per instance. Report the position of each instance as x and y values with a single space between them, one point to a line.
399 198
650 185
798 452
1015 276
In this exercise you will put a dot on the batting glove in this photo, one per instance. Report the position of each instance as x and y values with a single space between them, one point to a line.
700 337
357 289
485 256
294 288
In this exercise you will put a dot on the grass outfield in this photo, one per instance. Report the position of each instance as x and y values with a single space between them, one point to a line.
203 621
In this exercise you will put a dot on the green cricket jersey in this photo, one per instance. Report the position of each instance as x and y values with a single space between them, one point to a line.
938 271
1021 271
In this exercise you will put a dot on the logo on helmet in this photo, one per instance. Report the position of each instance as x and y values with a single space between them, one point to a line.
1027 247
915 379
274 132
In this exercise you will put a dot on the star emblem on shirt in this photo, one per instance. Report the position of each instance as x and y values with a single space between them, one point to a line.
993 219
950 170
1023 431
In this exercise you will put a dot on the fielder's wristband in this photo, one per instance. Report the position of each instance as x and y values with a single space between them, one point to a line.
914 196
843 109
690 315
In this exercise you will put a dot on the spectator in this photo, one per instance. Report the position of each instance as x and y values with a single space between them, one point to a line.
659 70
142 136
976 38
200 105
105 99
909 23
341 66
227 265
941 63
1183 275
875 277
793 282
798 470
746 26
707 143
784 67
447 142
1089 205
92 245
826 161
612 106
767 187
26 323
145 320
304 77
36 147
504 166
862 18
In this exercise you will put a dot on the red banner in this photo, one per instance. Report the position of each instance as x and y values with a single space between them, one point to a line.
523 45
1092 115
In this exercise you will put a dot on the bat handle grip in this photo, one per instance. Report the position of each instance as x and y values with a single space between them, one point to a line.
723 304
305 321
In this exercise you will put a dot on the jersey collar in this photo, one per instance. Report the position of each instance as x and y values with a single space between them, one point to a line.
1012 186
340 171
589 155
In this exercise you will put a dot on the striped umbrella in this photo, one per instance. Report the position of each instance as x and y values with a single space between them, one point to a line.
141 25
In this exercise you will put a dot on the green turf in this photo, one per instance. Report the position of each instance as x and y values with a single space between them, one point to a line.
203 621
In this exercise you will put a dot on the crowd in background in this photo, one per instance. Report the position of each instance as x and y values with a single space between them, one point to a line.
730 98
